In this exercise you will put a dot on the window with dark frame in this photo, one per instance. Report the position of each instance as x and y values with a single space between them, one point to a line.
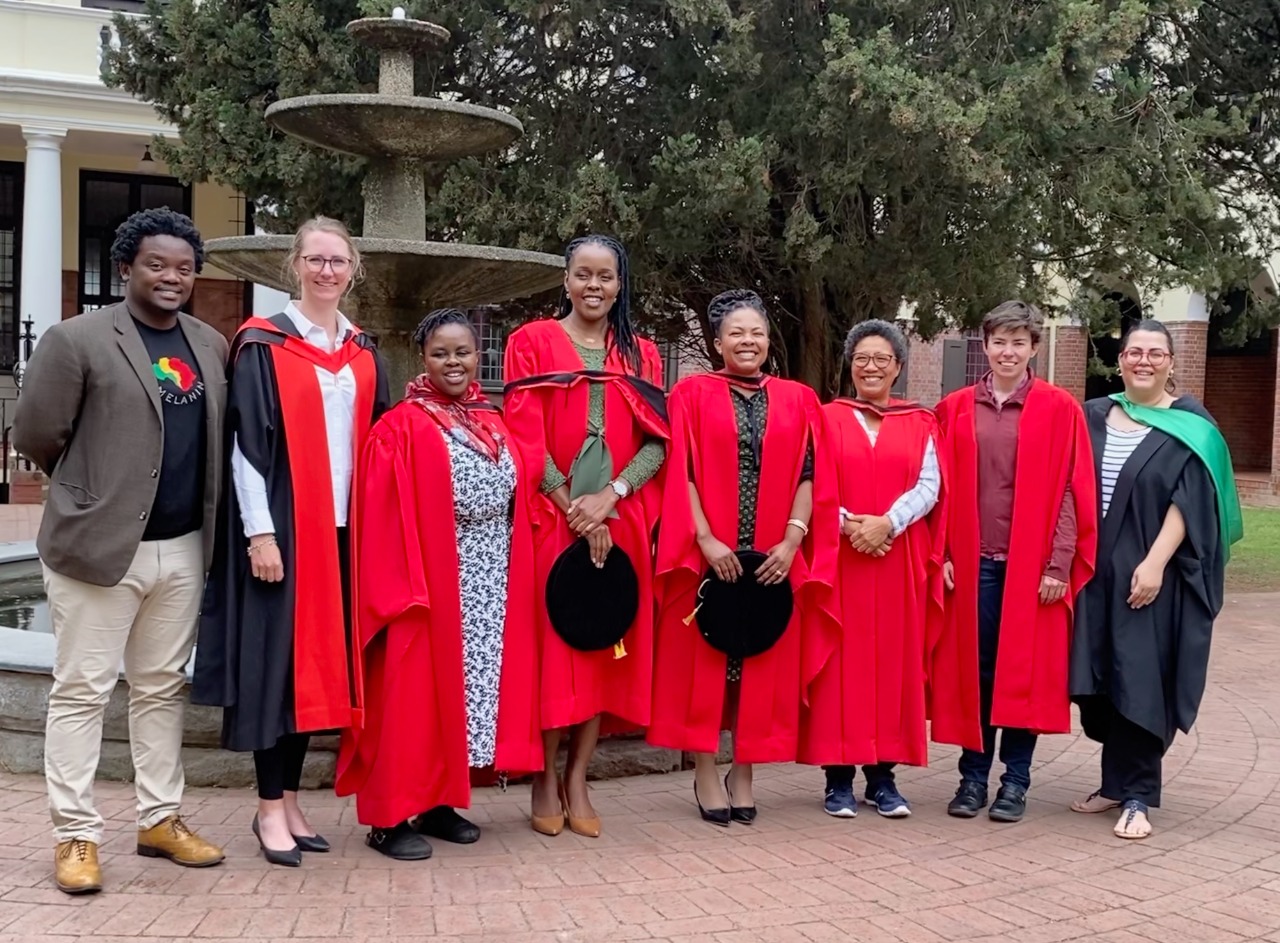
10 262
106 201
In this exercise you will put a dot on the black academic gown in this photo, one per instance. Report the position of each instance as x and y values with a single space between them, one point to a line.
1149 663
249 673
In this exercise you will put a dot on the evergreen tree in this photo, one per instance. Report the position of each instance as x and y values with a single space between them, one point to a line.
838 156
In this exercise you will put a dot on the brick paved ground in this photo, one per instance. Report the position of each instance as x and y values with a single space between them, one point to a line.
1211 873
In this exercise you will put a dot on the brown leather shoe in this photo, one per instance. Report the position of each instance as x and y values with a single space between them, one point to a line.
173 840
76 867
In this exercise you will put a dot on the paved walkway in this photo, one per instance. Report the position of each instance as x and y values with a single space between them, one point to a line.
1211 872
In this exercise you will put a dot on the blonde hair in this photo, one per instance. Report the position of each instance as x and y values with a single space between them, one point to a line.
322 224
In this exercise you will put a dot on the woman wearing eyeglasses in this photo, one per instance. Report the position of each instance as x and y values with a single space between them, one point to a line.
1140 650
867 705
303 389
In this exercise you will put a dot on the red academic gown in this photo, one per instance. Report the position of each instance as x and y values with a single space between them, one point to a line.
411 753
867 705
689 675
274 655
546 410
1054 454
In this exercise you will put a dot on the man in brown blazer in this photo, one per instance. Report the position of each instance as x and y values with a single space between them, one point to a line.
123 409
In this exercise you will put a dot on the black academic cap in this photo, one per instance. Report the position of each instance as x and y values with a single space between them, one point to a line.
591 608
744 618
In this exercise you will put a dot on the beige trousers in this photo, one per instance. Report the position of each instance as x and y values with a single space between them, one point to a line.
148 619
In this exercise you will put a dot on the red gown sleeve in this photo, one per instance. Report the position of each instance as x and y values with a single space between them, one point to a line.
523 409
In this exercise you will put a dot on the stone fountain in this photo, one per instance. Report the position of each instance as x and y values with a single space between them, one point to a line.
399 133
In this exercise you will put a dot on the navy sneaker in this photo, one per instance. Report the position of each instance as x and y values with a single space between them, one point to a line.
889 802
840 801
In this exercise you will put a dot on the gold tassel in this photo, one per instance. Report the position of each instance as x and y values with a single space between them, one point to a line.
619 650
688 620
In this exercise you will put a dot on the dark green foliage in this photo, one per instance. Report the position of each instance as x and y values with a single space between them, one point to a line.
834 156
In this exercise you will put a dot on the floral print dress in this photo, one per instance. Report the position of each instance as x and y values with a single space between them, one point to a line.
482 493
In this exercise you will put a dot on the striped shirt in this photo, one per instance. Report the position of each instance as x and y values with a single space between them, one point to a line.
1120 445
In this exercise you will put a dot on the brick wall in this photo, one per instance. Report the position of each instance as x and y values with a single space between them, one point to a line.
219 302
1190 344
924 370
1070 353
1275 415
1240 393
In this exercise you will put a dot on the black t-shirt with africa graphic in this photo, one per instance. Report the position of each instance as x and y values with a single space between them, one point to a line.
179 505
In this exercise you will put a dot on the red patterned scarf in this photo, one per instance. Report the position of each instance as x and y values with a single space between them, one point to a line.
460 416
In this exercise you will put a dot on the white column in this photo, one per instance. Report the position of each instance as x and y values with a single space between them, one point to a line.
41 286
267 301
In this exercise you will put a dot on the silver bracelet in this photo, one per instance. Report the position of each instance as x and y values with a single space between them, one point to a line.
254 548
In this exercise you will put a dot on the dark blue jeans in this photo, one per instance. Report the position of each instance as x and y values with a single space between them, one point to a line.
876 774
1016 746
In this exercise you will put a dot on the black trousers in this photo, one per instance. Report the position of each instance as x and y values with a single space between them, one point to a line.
279 768
1132 759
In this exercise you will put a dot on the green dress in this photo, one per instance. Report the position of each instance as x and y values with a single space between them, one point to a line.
594 467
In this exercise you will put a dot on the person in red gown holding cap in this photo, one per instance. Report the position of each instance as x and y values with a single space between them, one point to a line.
444 605
867 704
303 389
747 472
1022 529
586 410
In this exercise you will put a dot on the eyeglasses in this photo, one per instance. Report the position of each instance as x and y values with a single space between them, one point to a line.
316 263
1156 357
880 360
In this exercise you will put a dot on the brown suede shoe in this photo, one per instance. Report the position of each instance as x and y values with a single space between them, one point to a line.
76 867
173 840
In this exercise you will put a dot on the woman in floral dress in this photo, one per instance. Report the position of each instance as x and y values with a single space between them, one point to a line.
444 605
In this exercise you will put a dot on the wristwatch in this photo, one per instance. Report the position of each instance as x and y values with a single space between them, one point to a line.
620 488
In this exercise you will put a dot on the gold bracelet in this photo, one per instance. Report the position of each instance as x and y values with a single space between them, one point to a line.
799 525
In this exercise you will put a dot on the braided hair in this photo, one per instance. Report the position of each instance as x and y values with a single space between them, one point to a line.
727 302
622 335
438 319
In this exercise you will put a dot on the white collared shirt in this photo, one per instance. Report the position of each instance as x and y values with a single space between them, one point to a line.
338 391
914 504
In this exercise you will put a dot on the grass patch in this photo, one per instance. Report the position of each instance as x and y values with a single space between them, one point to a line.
1255 561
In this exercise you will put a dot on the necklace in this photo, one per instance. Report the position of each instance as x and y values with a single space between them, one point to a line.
580 339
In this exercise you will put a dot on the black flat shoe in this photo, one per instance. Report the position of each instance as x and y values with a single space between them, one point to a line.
401 843
444 823
714 816
288 859
1010 805
311 842
746 814
971 798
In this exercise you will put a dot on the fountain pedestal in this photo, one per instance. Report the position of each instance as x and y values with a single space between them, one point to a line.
399 133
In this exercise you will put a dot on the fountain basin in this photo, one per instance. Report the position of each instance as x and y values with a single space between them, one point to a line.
414 276
388 126
26 671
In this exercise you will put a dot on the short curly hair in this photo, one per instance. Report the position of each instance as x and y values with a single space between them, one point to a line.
876 328
156 222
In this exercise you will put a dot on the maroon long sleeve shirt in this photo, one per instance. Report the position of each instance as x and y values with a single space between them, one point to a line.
996 427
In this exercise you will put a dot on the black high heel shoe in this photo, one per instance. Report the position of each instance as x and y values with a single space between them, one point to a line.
289 859
316 843
746 814
714 816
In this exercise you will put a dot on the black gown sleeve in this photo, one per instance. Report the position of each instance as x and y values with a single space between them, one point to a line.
1199 567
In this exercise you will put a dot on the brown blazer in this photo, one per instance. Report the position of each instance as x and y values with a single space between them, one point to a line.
89 415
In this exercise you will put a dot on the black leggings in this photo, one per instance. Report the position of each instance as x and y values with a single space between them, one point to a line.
280 767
